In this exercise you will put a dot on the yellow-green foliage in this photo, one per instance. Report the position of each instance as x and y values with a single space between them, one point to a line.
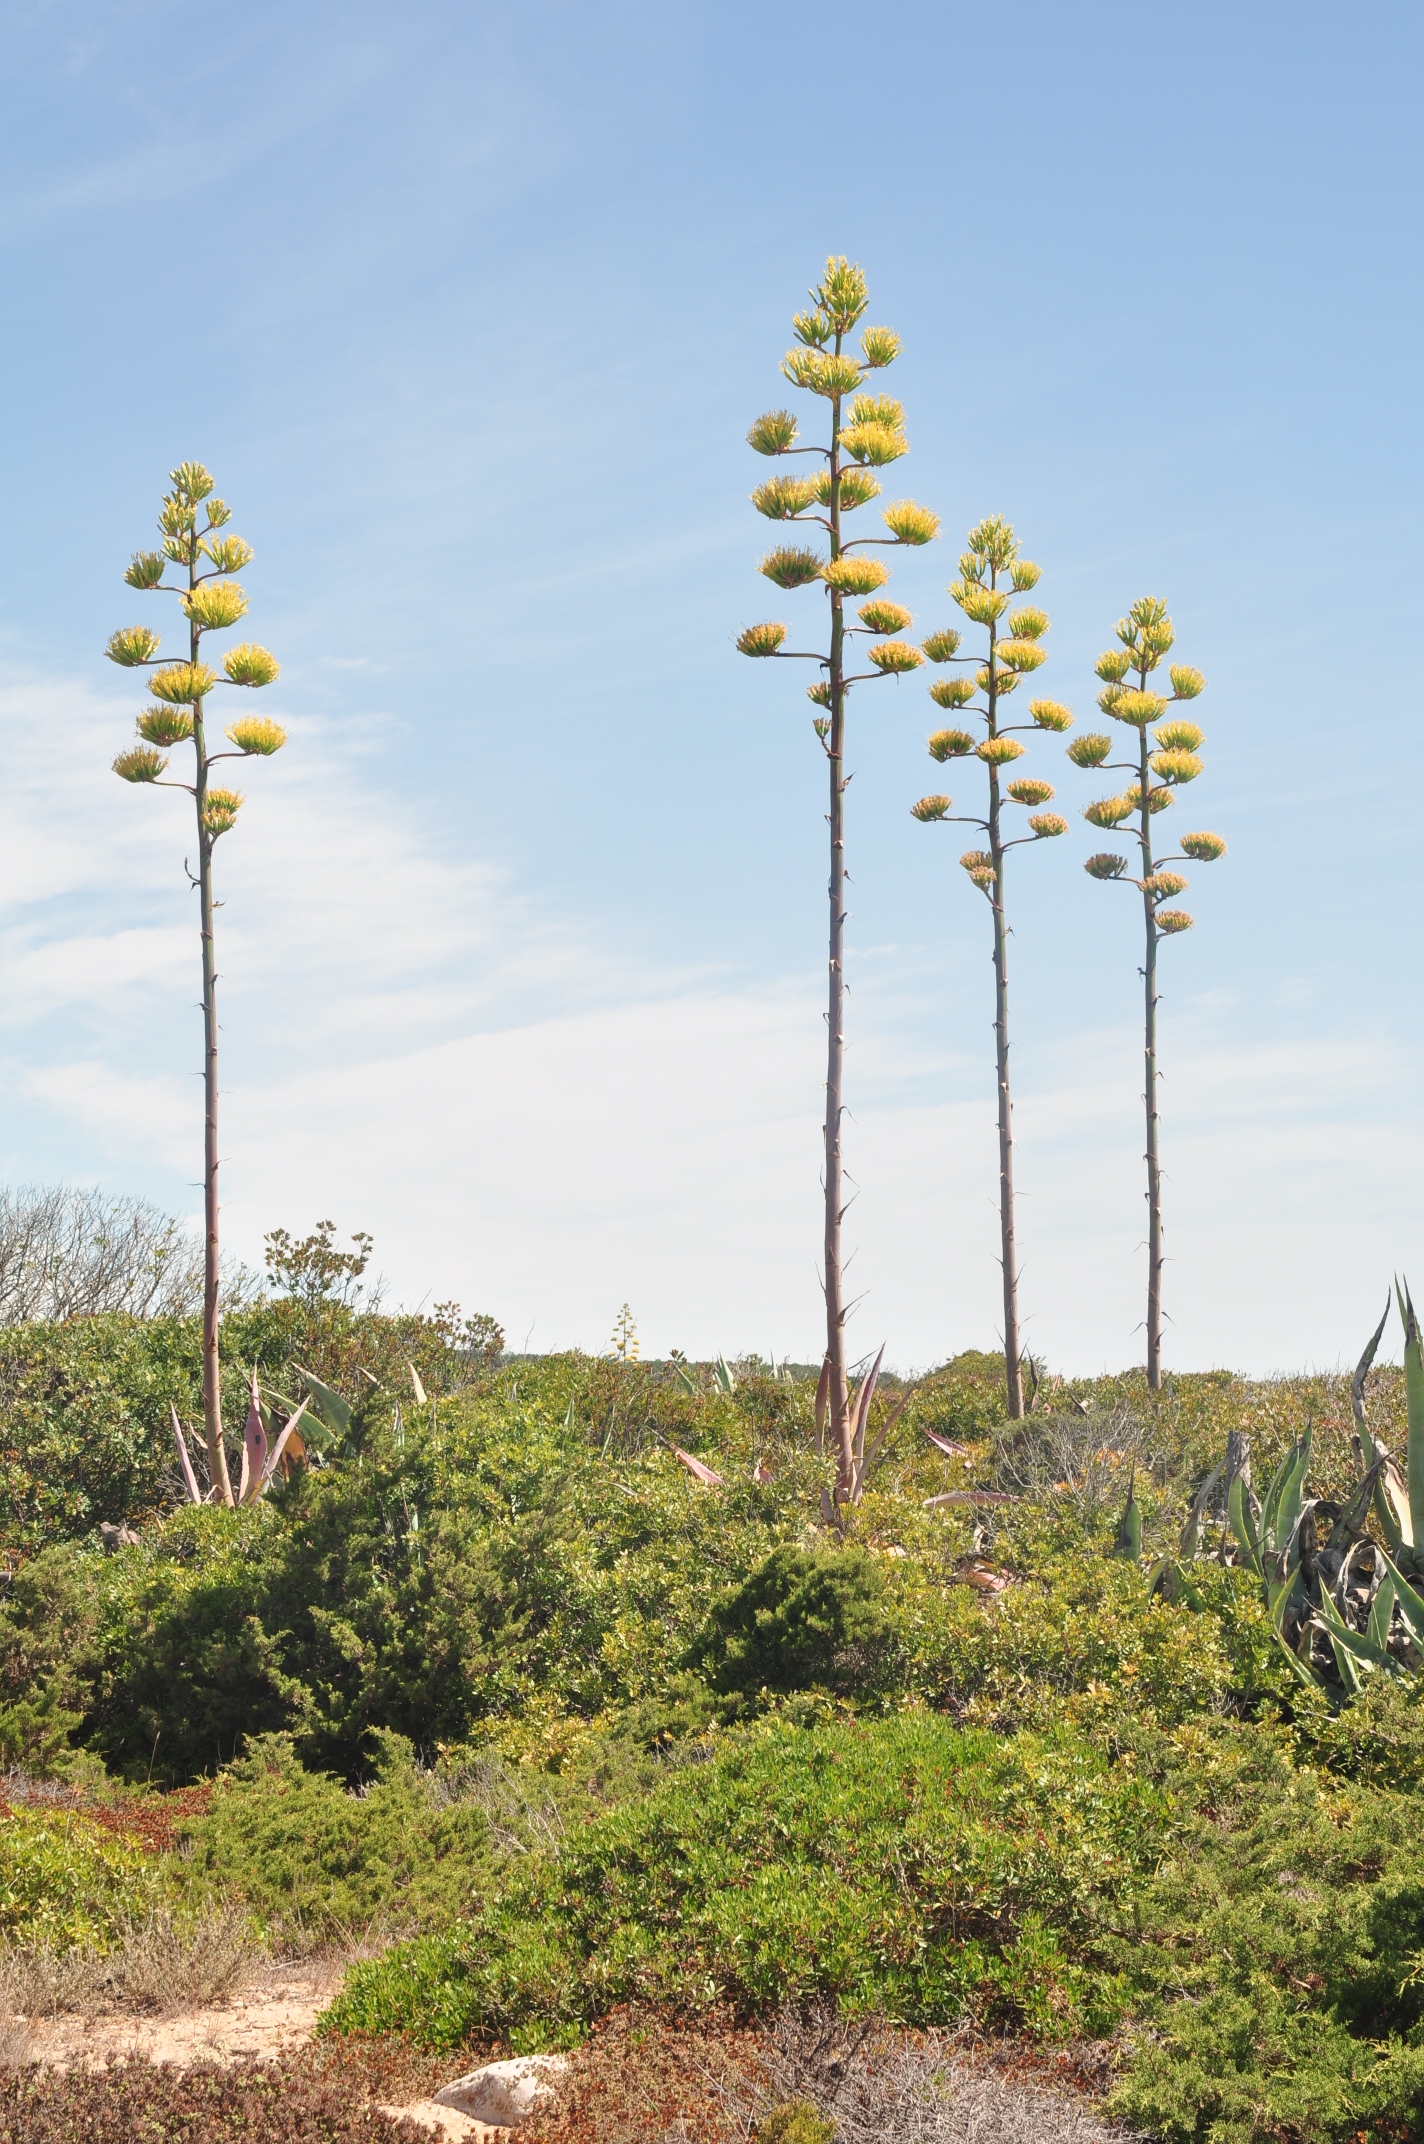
64 1881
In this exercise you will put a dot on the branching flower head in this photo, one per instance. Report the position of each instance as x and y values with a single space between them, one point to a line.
215 604
878 409
1203 848
984 605
1047 825
780 498
139 764
1028 789
880 346
1051 715
841 294
813 329
857 488
880 615
876 445
1178 736
761 639
1186 682
1138 708
1163 885
220 810
1021 656
132 645
190 482
230 554
1109 811
953 692
251 665
146 569
980 866
774 433
1028 622
930 808
994 541
1157 799
909 523
894 657
1090 750
1171 920
942 647
999 751
820 693
1113 666
821 372
257 734
1105 865
182 683
855 576
1175 766
950 744
165 725
1024 575
791 568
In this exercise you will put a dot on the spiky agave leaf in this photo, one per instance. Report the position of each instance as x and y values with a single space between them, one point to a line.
892 658
1030 789
774 432
1203 848
165 725
761 639
215 604
140 763
258 734
953 692
220 810
782 498
883 616
950 744
1047 825
146 570
1172 920
999 751
1127 1541
1105 865
131 646
943 646
909 523
182 683
930 808
1414 1402
790 568
855 576
1179 736
821 372
853 487
874 445
1051 715
880 346
1186 681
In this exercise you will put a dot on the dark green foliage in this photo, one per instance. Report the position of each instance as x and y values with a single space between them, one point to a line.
801 1622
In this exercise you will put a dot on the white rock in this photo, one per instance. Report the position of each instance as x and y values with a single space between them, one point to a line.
504 2094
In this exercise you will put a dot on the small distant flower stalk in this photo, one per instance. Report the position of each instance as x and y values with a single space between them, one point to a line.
865 432
991 575
211 602
1162 762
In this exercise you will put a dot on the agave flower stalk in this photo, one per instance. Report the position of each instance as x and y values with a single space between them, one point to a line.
1165 757
991 576
211 601
864 432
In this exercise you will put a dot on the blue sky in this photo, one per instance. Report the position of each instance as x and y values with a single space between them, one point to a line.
468 309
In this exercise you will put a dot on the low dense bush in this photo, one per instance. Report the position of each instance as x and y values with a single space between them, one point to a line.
64 1882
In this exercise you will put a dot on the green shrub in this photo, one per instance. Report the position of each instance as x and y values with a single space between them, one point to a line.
799 1622
64 1882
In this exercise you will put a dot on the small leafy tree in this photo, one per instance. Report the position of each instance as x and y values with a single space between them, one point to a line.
211 601
991 574
866 436
1166 756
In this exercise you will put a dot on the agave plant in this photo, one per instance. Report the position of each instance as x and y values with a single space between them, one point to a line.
864 432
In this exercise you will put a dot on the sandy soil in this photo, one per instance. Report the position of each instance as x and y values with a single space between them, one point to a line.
274 2013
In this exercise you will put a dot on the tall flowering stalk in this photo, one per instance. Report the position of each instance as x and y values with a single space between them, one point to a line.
864 432
1162 762
210 602
991 574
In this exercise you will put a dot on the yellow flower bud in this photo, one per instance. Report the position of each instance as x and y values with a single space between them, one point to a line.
229 555
761 639
1021 656
1003 681
857 487
976 860
1186 682
1113 667
146 570
257 734
953 691
1157 799
1047 824
894 657
165 725
994 541
1051 715
1090 751
882 616
215 605
943 646
930 808
874 444
821 372
792 569
1204 848
135 644
1029 790
820 693
139 764
250 665
1024 574
1175 766
842 295
190 480
220 810
1163 885
950 744
1171 920
182 683
984 605
1179 737
1138 708
909 523
878 409
880 346
1108 812
999 751
1028 623
781 498
855 576
1105 865
814 329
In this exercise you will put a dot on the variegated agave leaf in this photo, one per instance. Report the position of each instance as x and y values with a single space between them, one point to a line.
1414 1399
329 1406
1357 1390
254 1447
1243 1523
190 1480
860 1410
722 1372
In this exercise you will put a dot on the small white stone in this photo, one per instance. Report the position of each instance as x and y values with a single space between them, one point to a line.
504 2094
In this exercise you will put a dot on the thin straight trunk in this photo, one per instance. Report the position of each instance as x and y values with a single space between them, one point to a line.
838 1395
1013 1375
1154 1171
212 1387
